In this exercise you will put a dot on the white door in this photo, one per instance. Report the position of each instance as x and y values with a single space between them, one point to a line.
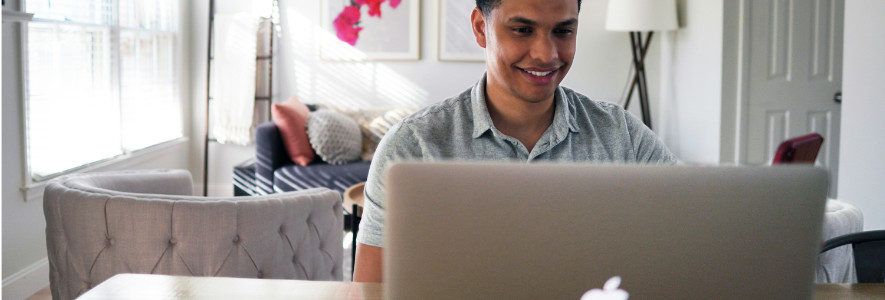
795 70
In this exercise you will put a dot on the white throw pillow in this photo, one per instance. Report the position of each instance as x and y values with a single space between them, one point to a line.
335 137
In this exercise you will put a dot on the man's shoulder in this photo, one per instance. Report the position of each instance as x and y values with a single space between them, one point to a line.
442 112
585 109
428 129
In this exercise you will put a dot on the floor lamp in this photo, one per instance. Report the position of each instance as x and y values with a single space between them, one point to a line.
636 17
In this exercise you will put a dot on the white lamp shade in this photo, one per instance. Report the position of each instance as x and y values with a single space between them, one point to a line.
641 15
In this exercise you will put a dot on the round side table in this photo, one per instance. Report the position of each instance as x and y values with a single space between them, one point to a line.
354 196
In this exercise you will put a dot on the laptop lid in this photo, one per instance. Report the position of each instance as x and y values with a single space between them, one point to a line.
554 231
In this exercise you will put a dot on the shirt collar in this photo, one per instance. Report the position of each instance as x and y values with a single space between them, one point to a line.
482 121
564 117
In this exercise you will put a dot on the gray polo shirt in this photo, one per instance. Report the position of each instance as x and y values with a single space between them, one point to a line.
460 128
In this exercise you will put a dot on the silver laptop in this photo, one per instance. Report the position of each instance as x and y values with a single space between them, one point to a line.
557 231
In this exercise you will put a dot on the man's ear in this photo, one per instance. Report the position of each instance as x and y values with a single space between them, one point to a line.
477 19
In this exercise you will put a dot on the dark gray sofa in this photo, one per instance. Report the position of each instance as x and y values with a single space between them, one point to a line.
273 171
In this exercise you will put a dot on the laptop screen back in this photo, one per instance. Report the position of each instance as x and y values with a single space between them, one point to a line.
554 231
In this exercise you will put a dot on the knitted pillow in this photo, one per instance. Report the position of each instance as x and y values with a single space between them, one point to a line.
290 116
335 137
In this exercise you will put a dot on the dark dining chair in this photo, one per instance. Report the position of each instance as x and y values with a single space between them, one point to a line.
868 248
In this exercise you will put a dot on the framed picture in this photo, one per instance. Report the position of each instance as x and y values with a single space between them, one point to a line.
456 40
370 30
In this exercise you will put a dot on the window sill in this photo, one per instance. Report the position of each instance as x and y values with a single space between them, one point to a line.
34 189
16 16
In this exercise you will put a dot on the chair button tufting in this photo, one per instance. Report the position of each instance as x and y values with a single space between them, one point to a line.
260 274
236 239
282 229
111 242
172 241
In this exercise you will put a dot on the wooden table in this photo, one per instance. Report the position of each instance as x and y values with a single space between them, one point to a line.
142 286
849 291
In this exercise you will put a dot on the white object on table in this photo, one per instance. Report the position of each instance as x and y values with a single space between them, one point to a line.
837 265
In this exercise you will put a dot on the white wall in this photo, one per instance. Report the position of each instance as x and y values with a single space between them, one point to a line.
25 269
861 163
599 71
691 66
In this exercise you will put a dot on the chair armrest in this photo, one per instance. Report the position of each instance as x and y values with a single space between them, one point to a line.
270 154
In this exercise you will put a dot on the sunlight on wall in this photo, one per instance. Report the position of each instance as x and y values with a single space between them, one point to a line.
333 48
349 82
305 83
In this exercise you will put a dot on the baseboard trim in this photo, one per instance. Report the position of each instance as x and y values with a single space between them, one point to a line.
27 282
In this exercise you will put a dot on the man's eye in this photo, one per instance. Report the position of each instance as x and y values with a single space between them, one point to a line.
522 30
563 31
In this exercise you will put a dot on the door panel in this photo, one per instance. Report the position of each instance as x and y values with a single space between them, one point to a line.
795 63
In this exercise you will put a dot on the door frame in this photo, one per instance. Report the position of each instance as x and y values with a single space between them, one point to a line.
735 82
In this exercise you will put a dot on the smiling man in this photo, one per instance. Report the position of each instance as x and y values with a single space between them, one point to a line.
516 112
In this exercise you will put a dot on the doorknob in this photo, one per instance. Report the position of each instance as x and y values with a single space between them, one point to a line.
838 97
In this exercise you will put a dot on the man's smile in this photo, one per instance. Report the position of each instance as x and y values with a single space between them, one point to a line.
540 75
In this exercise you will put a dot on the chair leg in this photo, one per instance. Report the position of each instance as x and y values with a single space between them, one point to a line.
354 228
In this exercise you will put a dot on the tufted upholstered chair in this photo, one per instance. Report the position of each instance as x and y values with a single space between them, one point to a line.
102 224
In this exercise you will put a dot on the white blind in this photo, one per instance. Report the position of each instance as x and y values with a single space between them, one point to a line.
101 80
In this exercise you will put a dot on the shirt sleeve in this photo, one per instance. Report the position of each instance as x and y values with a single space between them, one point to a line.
394 146
647 146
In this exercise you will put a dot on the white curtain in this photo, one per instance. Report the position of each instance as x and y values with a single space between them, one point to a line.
233 89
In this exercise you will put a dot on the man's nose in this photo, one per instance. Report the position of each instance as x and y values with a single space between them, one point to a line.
544 49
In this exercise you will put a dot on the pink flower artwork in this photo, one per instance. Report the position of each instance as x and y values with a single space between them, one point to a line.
346 23
374 6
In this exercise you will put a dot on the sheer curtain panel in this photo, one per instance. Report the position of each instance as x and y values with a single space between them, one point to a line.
101 81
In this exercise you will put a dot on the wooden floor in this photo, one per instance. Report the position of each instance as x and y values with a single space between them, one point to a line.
43 294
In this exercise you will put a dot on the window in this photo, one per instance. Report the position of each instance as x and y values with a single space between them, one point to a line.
101 81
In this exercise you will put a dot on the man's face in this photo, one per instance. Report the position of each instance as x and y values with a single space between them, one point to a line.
530 45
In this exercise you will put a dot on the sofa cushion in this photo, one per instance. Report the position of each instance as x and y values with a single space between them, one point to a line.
335 137
291 116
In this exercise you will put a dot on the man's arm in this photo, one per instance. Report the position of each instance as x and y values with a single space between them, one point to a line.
368 263
370 240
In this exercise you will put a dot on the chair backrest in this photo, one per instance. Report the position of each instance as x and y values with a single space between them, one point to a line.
868 248
102 224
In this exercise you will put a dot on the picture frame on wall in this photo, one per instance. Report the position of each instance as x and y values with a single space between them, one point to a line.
385 30
456 39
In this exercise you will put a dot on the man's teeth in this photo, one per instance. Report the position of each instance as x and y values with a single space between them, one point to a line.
539 74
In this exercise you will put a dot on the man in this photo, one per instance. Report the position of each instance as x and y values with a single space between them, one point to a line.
517 112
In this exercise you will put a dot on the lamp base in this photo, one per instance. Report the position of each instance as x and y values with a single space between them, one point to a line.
639 46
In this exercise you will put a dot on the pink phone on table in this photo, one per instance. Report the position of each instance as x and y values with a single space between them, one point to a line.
799 150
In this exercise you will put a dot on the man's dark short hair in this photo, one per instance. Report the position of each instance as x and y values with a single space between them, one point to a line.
487 6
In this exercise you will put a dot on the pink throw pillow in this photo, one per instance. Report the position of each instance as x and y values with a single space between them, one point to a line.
290 116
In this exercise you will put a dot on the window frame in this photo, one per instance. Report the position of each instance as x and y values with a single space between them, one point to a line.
33 185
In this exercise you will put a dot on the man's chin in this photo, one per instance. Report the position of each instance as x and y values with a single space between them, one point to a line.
538 97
